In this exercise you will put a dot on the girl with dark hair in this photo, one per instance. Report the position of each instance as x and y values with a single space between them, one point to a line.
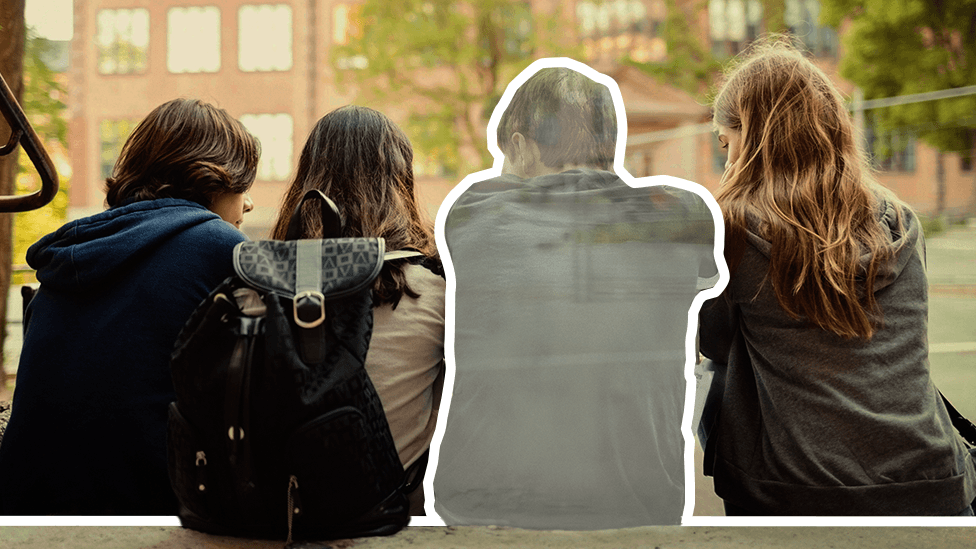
829 408
87 432
362 161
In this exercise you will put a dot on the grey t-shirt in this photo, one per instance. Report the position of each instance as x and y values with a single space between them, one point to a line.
571 317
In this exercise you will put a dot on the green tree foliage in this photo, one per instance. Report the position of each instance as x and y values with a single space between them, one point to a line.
774 15
448 63
43 104
900 47
690 65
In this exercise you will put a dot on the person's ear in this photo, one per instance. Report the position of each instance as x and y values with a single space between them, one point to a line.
528 158
518 145
513 150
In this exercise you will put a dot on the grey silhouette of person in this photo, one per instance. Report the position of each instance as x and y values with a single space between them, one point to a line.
576 295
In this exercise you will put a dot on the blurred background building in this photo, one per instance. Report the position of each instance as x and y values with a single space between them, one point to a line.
270 65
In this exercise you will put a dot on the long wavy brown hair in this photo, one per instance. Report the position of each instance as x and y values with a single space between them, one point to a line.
805 182
364 162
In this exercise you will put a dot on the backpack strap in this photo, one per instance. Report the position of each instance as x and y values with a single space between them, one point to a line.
309 303
401 254
965 427
428 263
414 474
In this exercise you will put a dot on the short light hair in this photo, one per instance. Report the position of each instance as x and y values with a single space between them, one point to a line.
570 117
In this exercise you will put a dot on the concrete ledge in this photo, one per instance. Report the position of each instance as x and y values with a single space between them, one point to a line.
478 537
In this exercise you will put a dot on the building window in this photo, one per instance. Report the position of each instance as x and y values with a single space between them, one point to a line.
275 132
733 25
890 151
264 38
966 161
112 134
802 17
347 25
586 14
193 39
122 41
622 27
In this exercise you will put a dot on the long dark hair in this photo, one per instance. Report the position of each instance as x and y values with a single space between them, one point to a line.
364 162
184 148
801 173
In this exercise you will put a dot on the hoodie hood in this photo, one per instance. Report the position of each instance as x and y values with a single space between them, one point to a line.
904 236
88 251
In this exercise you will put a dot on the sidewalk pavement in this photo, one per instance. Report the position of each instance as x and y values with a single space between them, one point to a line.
951 257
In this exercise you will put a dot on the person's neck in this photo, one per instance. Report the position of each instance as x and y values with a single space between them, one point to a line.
546 170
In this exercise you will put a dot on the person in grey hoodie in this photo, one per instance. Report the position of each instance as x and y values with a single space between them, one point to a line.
828 407
87 433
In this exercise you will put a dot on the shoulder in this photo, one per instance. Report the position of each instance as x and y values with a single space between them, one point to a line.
425 282
218 232
200 243
432 289
203 226
481 192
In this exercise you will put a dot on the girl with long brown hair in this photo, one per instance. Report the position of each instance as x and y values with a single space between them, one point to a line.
828 408
362 161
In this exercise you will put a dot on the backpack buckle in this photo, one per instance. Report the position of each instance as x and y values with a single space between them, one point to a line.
306 309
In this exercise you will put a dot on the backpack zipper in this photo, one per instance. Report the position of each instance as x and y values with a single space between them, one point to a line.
294 504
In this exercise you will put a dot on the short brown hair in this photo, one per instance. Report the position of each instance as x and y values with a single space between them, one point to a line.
187 149
570 117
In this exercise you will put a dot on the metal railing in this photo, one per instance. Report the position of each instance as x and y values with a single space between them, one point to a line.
21 132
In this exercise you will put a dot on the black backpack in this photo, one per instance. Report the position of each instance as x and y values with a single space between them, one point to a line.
277 431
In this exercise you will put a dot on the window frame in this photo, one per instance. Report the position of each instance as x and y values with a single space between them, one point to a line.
252 121
198 69
101 50
241 38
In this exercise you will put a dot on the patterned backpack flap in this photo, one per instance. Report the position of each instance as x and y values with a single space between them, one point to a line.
277 430
347 265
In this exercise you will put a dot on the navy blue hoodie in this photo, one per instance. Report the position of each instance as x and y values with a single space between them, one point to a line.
88 427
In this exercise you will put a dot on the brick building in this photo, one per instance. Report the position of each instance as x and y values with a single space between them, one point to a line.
268 64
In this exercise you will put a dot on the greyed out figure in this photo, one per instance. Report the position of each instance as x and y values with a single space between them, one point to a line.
573 291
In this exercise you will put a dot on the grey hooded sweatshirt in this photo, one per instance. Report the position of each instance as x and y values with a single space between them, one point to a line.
813 424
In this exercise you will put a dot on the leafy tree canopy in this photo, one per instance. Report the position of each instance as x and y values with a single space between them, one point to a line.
900 47
44 106
689 65
448 62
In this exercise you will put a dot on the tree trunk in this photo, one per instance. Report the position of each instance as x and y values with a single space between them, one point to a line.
940 184
12 37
